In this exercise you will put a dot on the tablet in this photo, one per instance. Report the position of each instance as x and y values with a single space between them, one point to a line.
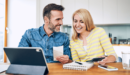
27 58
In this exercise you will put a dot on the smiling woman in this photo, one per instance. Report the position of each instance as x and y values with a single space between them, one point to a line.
89 41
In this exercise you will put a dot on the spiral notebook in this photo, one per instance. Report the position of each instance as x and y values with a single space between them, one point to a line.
78 66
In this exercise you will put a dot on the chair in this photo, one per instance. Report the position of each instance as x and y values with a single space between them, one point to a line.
119 59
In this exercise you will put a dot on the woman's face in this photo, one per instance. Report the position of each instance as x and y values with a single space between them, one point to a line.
79 25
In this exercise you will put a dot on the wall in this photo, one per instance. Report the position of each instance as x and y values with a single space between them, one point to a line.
2 24
40 5
21 16
68 30
25 14
121 31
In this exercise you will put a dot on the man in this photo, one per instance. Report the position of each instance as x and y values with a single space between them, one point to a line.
48 35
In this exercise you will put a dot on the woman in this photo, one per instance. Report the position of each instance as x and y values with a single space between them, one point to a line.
89 41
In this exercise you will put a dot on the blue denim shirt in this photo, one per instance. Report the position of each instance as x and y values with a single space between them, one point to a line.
38 38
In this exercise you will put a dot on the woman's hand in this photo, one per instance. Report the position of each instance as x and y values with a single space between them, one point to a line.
107 59
103 61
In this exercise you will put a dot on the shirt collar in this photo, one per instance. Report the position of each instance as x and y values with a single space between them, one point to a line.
53 34
43 33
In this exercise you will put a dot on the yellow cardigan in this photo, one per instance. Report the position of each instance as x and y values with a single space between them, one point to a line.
98 44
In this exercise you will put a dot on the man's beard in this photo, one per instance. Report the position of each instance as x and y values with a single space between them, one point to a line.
52 27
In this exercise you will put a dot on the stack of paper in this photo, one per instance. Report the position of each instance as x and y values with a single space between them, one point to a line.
78 66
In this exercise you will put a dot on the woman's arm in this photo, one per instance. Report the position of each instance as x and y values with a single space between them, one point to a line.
74 54
108 48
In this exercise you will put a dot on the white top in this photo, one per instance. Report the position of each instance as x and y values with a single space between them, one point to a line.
85 48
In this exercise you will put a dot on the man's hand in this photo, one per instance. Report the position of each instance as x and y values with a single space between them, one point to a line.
63 59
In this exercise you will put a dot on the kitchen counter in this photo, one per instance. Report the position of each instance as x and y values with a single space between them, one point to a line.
120 45
119 48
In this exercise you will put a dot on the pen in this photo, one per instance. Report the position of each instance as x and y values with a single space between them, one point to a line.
78 63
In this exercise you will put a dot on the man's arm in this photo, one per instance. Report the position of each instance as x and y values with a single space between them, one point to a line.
25 42
67 53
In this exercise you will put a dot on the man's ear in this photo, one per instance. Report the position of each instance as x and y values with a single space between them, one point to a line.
46 19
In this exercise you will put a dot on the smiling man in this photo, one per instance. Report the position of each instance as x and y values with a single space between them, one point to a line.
49 35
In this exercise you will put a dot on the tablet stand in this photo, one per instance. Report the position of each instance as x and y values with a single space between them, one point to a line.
26 60
27 69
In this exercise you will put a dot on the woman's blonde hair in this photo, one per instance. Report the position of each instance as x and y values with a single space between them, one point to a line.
86 18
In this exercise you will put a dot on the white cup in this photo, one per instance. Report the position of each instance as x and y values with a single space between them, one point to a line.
126 60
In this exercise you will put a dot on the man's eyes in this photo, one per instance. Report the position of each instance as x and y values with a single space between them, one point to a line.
75 21
58 19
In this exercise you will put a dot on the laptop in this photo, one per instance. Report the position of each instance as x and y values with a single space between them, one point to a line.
26 60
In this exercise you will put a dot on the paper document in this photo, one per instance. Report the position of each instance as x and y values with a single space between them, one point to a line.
57 51
3 68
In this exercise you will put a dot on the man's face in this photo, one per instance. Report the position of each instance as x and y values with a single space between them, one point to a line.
55 20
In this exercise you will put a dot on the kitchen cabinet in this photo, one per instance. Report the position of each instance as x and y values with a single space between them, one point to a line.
103 11
70 7
40 4
69 10
81 4
123 11
93 6
110 11
95 9
121 48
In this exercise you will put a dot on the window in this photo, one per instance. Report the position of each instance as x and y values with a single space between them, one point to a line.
3 24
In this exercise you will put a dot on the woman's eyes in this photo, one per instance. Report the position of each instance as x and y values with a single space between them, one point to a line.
80 21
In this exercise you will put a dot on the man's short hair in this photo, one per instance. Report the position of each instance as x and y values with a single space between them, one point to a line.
49 7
